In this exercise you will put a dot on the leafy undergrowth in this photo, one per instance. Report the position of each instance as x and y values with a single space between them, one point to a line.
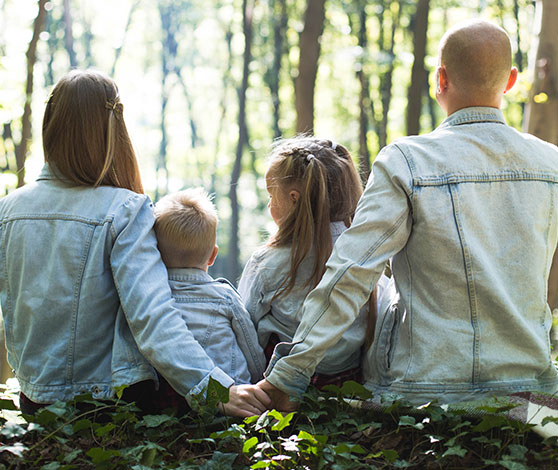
325 433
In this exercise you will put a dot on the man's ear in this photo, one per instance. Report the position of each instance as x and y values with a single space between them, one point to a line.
512 79
294 195
442 79
213 255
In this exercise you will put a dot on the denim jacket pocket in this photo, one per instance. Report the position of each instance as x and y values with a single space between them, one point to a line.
387 339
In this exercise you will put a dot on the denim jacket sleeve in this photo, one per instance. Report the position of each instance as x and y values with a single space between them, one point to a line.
381 228
157 326
251 289
247 340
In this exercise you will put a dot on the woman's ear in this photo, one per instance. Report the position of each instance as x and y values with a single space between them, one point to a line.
294 195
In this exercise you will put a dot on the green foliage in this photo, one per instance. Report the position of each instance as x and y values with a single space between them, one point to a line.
325 433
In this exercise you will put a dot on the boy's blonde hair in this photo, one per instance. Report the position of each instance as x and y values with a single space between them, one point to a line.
186 228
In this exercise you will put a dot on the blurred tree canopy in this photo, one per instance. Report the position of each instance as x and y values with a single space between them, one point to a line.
207 85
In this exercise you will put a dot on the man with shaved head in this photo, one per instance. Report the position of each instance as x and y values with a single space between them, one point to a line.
468 217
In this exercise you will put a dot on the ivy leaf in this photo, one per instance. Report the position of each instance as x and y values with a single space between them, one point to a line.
455 450
7 404
216 393
99 455
154 421
249 444
104 430
11 430
69 458
354 389
17 449
549 419
410 421
489 422
219 461
283 422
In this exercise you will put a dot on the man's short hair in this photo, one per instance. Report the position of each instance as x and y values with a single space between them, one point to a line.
186 228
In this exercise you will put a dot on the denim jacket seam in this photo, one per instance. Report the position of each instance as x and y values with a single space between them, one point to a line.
470 285
235 310
75 307
7 331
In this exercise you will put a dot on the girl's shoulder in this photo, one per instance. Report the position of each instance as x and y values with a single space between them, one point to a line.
267 256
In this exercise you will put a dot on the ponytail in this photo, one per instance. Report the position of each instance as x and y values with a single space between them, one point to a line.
329 187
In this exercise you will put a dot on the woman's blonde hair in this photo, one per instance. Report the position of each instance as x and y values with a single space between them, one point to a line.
325 176
84 134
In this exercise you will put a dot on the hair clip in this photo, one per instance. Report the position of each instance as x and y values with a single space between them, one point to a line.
310 157
333 145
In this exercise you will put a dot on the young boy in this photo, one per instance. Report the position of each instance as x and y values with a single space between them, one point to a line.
186 228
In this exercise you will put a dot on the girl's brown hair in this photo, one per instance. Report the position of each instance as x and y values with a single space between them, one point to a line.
84 134
325 176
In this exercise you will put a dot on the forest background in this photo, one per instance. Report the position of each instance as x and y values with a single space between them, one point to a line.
207 85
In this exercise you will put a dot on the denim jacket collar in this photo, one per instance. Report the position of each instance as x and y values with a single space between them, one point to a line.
50 172
474 115
189 274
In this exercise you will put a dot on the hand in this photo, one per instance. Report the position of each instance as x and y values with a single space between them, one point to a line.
245 400
279 399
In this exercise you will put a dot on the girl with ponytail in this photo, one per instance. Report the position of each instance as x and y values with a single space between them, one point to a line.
314 189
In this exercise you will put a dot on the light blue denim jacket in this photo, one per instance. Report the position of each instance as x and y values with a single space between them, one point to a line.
264 274
216 316
468 214
70 256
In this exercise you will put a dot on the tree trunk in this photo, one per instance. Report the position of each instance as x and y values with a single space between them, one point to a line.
541 117
387 77
364 100
68 34
305 82
279 20
247 15
418 74
21 150
118 50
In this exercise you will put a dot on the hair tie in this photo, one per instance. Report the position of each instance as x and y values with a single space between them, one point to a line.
310 157
114 105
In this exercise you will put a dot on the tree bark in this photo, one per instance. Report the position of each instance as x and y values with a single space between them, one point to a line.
118 50
305 82
279 21
364 100
418 74
26 130
68 34
234 251
541 116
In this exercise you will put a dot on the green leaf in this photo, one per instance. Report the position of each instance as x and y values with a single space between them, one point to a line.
99 455
512 465
219 461
263 464
549 419
489 422
148 457
69 458
11 430
82 424
154 421
283 422
410 421
249 444
354 389
306 436
455 450
7 405
120 391
17 449
216 393
104 430
389 454
51 466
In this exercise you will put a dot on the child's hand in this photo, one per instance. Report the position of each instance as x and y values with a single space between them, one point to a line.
245 400
279 400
